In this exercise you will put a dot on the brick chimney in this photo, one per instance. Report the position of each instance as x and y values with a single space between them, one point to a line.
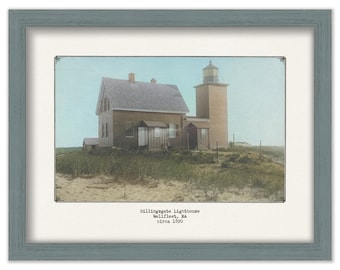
132 77
153 80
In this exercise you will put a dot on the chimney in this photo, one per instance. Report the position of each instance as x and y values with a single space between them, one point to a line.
153 80
132 77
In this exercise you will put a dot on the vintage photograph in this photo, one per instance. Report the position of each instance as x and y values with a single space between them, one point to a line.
170 129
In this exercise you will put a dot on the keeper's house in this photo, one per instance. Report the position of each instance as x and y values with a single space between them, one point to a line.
138 114
151 115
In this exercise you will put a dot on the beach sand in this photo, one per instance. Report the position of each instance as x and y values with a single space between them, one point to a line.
108 189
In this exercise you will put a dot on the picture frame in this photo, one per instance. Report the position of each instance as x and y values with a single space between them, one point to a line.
21 249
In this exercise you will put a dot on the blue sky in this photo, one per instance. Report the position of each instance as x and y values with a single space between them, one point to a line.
256 92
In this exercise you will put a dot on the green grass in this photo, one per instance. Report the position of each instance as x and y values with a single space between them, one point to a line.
63 150
235 168
273 152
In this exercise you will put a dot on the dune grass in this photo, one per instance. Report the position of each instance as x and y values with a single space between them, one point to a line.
234 169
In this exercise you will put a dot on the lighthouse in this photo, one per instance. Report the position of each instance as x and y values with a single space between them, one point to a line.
211 104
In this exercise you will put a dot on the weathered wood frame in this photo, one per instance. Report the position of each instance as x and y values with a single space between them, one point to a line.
319 20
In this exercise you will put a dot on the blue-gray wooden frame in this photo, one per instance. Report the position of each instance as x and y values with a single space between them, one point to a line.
319 20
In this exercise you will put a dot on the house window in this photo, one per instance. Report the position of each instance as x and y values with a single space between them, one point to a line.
102 105
157 132
129 130
106 130
108 104
172 131
204 132
204 136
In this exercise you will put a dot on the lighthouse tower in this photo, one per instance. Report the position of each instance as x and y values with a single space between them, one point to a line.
211 103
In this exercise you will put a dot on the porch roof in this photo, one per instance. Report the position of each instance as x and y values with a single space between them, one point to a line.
199 124
148 123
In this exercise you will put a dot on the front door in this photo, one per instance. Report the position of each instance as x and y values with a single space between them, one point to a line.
142 136
191 136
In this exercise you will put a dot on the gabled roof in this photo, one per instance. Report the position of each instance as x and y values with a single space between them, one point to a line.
141 96
199 124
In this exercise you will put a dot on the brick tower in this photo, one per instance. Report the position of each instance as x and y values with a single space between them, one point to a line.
211 103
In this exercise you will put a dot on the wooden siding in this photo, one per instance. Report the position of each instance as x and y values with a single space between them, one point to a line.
158 141
122 119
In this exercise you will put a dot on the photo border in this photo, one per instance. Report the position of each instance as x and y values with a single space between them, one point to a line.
319 20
